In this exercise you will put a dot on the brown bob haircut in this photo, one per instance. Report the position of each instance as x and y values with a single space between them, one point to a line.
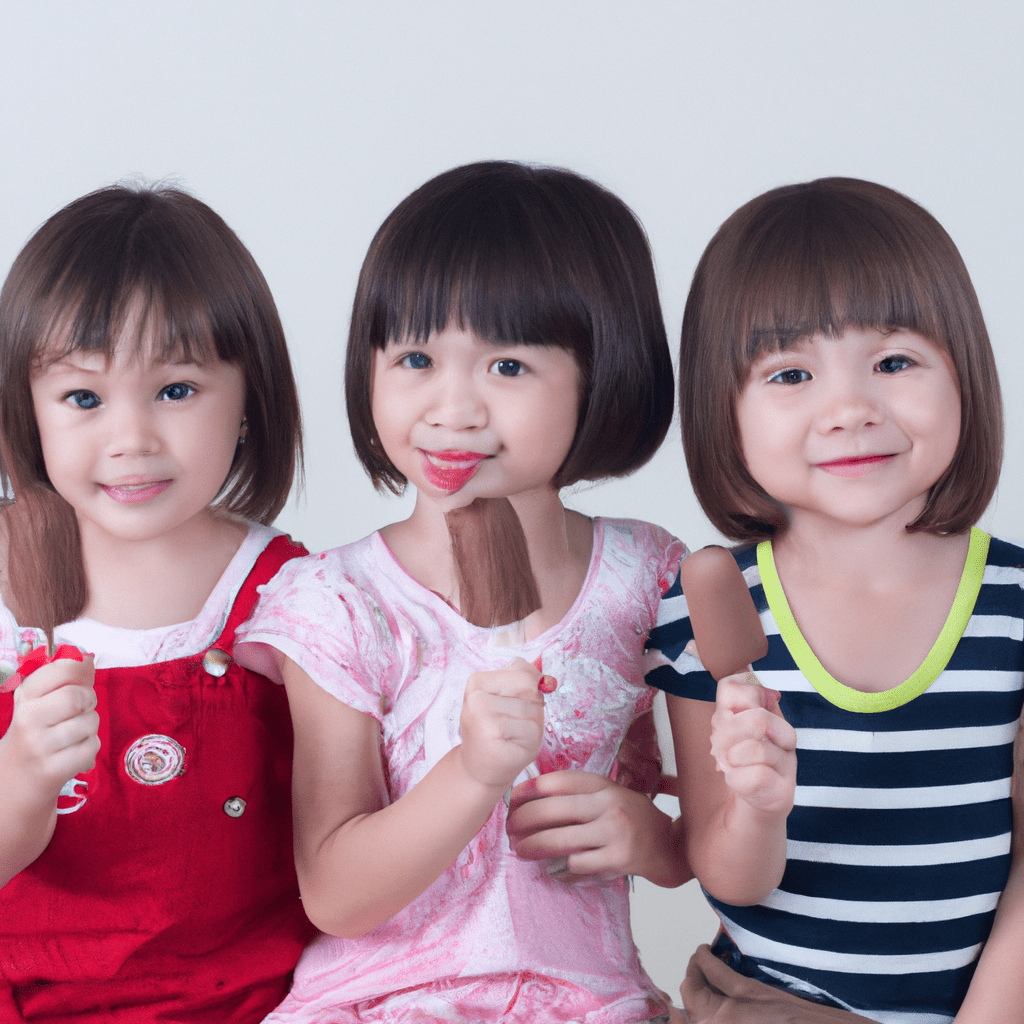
810 259
533 255
161 255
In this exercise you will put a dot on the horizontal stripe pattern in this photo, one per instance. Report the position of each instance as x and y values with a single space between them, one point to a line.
899 843
880 912
860 964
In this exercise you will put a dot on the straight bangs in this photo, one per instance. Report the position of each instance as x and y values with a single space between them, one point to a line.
813 265
526 255
134 315
490 259
814 259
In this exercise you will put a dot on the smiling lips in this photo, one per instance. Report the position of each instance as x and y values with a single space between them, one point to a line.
855 466
450 470
133 493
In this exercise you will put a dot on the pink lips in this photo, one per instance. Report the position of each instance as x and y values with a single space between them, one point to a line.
132 494
854 466
450 470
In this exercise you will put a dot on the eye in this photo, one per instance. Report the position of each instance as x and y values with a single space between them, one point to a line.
416 361
176 392
791 376
82 399
893 364
508 368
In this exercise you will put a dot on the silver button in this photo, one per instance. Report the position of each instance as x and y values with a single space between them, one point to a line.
234 807
216 661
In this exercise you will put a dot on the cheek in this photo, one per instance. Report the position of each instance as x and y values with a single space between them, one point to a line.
939 418
949 428
381 413
751 422
386 420
58 446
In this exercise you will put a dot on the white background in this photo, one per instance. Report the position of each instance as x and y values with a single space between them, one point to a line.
304 123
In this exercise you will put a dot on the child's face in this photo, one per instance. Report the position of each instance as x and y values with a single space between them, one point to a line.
853 429
139 447
462 418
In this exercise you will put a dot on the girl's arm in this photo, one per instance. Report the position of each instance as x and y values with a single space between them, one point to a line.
53 736
996 993
360 859
736 789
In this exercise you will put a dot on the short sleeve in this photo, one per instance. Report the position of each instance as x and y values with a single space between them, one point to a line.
312 613
667 666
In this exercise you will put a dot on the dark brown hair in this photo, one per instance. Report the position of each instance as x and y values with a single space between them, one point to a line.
814 258
534 255
157 253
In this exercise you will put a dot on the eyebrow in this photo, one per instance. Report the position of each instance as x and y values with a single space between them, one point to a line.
71 364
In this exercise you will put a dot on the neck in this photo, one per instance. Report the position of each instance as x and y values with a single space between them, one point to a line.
558 545
879 554
157 581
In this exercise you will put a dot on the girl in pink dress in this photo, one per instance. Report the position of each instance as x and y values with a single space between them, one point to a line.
149 427
506 342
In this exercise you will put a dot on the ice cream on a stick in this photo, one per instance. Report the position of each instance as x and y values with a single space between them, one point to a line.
726 627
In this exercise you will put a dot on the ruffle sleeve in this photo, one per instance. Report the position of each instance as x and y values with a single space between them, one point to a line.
334 630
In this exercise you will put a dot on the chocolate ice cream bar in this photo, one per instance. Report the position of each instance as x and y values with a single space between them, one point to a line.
725 623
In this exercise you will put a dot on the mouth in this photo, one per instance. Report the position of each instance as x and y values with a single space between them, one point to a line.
450 470
855 465
133 493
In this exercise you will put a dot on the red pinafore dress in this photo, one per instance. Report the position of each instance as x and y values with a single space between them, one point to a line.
167 892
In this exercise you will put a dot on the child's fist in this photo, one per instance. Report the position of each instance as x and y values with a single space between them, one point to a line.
53 735
753 745
502 722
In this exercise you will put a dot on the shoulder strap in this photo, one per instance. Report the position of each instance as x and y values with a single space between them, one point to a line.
280 550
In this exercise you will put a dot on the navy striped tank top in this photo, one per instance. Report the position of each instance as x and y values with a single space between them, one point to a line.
899 840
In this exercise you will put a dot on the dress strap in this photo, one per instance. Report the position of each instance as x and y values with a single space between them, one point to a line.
280 550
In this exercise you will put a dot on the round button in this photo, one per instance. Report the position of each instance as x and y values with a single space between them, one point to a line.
216 661
234 807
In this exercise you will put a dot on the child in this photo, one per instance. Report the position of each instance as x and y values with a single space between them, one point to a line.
841 420
150 427
506 342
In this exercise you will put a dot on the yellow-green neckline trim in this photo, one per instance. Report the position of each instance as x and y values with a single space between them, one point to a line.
937 659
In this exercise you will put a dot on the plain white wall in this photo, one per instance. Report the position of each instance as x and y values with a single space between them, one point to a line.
304 123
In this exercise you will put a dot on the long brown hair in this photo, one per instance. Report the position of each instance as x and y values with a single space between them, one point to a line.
536 255
160 254
812 258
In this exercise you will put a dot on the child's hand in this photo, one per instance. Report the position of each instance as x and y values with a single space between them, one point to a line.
53 735
588 825
712 991
753 745
502 722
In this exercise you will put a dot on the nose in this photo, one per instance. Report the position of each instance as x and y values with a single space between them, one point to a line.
456 402
850 403
131 431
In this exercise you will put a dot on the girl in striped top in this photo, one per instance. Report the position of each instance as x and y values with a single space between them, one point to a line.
841 419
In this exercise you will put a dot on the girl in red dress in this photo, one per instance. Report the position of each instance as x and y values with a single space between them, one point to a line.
149 430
